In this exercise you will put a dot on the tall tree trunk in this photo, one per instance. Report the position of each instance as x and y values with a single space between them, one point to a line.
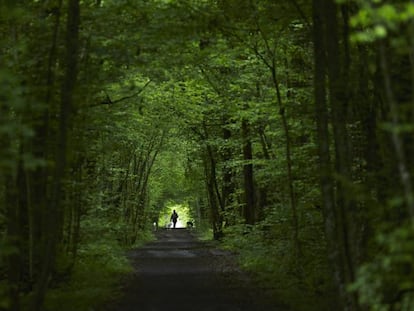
14 237
343 207
325 165
228 175
73 226
213 192
142 187
210 172
55 214
338 87
288 154
398 142
249 192
10 209
272 66
38 180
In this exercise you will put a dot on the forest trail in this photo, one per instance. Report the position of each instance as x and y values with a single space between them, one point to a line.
179 272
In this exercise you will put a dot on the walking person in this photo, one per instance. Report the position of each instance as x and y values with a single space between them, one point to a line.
174 217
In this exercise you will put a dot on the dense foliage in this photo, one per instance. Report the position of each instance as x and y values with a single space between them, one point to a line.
285 127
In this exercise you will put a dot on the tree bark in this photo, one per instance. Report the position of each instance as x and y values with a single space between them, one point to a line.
397 141
55 213
211 182
337 71
228 186
210 172
325 165
15 238
249 191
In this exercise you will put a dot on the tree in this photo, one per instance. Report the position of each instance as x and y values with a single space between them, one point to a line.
236 108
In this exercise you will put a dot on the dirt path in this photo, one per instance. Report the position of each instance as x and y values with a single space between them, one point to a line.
178 272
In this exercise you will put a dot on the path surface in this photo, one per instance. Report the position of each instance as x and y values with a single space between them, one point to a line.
178 272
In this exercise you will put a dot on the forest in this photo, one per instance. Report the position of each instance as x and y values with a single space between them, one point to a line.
283 129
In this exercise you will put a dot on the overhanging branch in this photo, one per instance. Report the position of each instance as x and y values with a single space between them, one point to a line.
108 100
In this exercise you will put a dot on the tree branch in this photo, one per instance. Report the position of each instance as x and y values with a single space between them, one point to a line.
108 100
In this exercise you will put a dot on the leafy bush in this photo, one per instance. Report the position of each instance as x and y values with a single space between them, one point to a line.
95 278
387 282
100 265
268 252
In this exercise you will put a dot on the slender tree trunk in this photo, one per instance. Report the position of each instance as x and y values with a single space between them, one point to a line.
228 175
38 180
288 143
338 87
264 144
142 189
55 213
214 195
214 198
285 125
397 141
249 192
340 212
272 66
14 237
325 165
74 229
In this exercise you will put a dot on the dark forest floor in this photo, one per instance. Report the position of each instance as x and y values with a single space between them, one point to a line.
179 272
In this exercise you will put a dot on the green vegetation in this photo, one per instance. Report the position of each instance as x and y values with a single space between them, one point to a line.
94 281
284 128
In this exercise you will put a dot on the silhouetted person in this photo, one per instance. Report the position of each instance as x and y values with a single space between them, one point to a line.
174 217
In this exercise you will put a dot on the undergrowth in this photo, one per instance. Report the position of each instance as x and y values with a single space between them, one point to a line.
97 274
204 235
94 280
266 251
